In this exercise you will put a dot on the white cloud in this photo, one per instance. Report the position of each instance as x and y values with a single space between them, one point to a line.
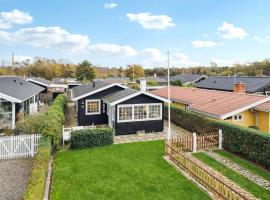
112 49
152 57
261 39
229 31
149 21
110 5
8 19
204 44
47 37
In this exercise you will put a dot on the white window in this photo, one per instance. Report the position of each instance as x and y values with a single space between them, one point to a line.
237 117
125 113
139 112
92 107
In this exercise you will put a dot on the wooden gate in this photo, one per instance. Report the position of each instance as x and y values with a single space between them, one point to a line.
18 146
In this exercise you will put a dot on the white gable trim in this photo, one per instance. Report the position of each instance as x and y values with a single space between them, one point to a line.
244 108
136 94
38 82
98 90
9 98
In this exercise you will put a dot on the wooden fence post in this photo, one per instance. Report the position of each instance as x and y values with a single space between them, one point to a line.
194 140
220 139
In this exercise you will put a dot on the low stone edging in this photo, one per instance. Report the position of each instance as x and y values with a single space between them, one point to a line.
48 180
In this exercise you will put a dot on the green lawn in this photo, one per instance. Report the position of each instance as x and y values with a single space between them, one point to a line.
246 164
126 171
240 180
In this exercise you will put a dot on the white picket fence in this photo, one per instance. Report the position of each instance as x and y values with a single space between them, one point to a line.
19 146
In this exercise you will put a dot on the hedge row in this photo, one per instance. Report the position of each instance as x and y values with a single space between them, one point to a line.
35 187
88 138
251 144
49 124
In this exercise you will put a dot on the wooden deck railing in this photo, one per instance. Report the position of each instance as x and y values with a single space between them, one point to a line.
218 185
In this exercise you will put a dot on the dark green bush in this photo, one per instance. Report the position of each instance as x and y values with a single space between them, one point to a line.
88 138
249 143
35 187
49 124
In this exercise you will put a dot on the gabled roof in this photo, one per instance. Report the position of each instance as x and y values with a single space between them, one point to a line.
16 89
40 81
265 107
187 78
82 91
122 80
253 84
126 94
217 104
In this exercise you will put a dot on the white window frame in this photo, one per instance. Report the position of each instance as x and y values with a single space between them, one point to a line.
135 120
238 118
86 106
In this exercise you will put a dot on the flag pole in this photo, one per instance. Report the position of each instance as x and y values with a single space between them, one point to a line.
169 99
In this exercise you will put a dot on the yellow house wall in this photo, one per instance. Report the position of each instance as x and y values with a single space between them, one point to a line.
179 105
249 119
263 121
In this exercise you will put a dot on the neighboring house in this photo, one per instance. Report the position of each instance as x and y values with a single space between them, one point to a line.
70 82
51 87
119 80
17 97
188 78
253 84
159 81
246 110
127 111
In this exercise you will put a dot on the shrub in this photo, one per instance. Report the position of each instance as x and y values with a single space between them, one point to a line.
152 83
176 83
35 187
49 124
251 144
88 138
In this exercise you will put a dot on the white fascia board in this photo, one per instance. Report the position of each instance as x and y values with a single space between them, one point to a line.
58 85
98 90
245 108
136 94
41 83
9 98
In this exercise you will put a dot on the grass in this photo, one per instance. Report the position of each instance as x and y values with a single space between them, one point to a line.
126 171
246 164
240 180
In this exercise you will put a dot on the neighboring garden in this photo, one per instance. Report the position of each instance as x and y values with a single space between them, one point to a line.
126 171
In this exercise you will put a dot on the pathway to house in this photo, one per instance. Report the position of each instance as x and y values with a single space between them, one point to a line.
14 174
70 120
176 131
257 179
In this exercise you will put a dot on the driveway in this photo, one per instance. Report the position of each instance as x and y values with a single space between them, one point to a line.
14 174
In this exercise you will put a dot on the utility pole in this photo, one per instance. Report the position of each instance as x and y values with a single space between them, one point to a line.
169 100
13 60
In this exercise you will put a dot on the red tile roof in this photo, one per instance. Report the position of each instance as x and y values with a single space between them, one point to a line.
218 104
263 107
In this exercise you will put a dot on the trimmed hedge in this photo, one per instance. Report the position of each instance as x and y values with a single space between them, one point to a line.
252 144
35 187
49 124
88 138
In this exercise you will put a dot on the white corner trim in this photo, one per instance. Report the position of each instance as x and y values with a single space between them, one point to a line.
92 113
99 90
10 98
136 94
244 108
38 82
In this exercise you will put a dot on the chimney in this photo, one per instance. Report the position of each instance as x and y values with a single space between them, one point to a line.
239 87
143 85
94 83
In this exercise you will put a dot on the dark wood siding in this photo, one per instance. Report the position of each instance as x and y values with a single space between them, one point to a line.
85 120
124 128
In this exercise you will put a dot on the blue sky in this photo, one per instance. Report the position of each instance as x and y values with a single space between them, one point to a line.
116 33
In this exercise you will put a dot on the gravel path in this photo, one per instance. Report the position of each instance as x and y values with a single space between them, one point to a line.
14 176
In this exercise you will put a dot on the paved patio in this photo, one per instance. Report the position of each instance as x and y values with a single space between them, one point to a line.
176 131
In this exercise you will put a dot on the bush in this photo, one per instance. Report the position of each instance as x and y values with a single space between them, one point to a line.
88 138
176 83
251 144
152 83
35 187
49 124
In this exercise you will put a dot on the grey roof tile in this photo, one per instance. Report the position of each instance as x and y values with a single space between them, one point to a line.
186 78
119 95
18 88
